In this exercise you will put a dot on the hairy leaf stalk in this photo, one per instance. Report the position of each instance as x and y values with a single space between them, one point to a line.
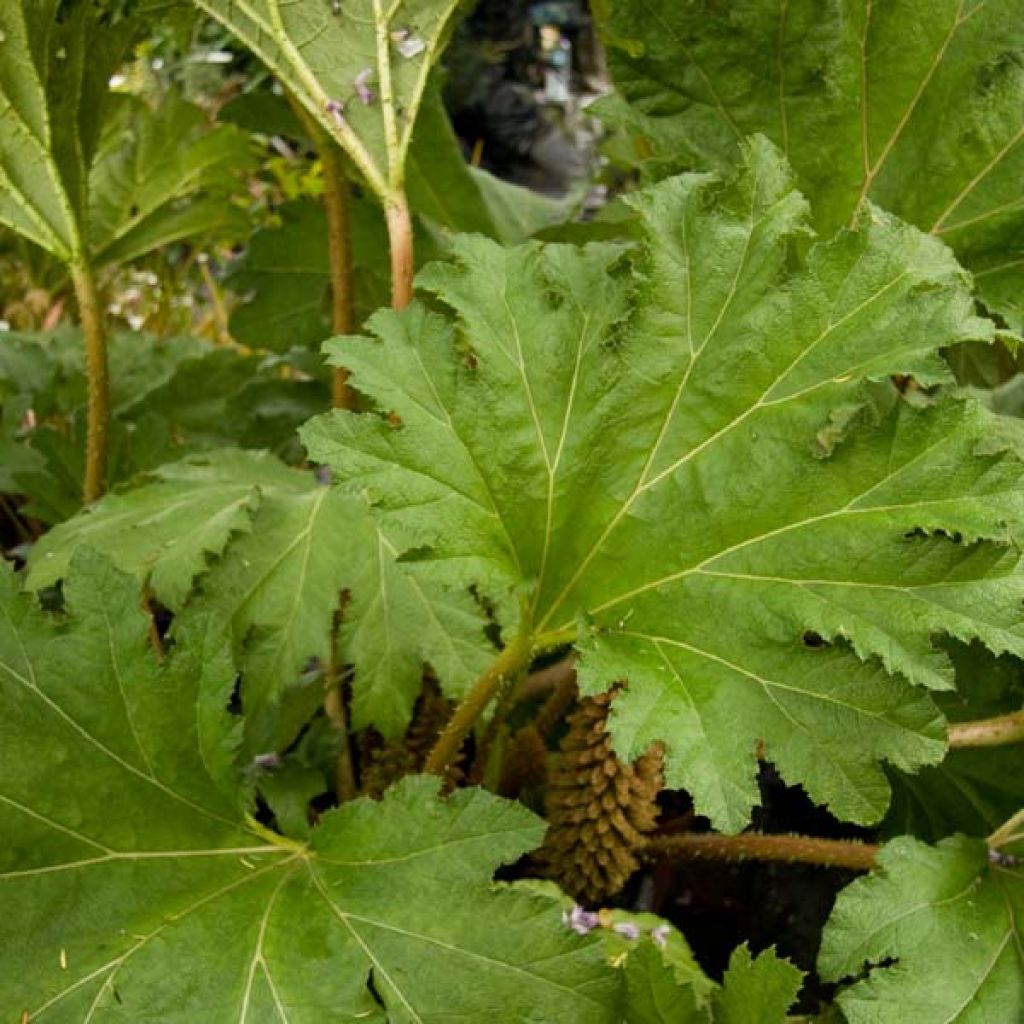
988 732
827 853
400 240
507 665
339 242
97 374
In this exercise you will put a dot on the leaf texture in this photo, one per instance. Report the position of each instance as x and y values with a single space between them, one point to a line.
162 176
266 549
678 450
919 110
318 51
950 920
133 887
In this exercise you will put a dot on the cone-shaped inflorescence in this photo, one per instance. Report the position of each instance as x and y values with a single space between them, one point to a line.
525 764
599 808
385 762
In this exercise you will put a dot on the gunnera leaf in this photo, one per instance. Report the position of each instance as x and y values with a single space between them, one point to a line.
268 550
359 67
630 442
938 930
756 990
922 115
133 886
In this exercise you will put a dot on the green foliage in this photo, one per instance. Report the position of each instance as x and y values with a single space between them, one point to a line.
285 274
169 397
756 990
89 176
661 453
973 790
168 901
161 176
286 269
274 550
951 921
919 110
718 451
318 51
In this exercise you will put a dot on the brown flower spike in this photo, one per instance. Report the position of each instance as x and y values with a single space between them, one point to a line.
599 808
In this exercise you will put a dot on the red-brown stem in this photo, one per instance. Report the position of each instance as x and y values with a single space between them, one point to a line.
988 732
97 375
548 678
339 243
345 787
834 853
396 209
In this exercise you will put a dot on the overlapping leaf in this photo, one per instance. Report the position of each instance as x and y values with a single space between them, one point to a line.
272 550
939 929
327 54
168 531
756 990
169 397
133 887
287 271
88 179
161 176
918 109
974 789
680 450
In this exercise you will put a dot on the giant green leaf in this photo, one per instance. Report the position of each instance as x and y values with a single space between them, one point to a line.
672 459
939 930
916 107
319 51
133 887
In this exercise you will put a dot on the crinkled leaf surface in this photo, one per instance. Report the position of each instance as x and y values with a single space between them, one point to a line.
920 110
318 50
680 451
945 922
168 530
756 990
273 550
133 889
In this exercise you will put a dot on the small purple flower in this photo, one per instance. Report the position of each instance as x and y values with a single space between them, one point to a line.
627 929
336 110
579 920
364 92
660 935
